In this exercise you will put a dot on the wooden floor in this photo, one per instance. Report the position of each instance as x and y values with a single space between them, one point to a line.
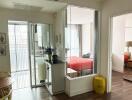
121 90
127 74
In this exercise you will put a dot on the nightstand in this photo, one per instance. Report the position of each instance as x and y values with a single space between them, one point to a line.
129 63
72 73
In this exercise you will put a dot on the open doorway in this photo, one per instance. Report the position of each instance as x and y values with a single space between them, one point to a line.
19 57
121 52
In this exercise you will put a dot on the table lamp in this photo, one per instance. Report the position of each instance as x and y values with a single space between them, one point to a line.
128 44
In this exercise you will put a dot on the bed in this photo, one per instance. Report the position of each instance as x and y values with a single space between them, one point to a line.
80 64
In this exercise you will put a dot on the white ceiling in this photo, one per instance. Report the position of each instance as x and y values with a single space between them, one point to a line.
38 5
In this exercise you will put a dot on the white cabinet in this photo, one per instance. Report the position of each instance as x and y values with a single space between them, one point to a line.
55 77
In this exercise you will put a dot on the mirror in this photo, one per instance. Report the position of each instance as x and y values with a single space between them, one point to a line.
44 35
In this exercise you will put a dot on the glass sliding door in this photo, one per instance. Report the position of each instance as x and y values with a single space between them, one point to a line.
39 39
18 43
27 44
31 54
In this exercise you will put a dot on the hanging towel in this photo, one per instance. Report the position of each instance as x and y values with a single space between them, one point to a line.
41 69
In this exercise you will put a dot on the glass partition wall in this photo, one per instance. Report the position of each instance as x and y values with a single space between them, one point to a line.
18 44
40 36
80 41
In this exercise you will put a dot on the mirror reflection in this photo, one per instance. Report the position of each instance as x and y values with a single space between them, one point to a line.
42 37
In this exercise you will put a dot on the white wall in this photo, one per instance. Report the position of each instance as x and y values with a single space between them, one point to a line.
110 8
4 60
5 15
59 33
118 43
35 17
95 4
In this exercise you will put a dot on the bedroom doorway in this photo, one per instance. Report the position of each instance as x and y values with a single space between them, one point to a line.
121 50
19 57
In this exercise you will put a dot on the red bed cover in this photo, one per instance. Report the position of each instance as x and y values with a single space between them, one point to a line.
78 63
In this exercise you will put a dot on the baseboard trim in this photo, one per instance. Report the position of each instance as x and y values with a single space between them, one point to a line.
117 70
80 92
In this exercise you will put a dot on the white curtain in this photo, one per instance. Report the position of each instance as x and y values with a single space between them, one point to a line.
18 42
72 40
